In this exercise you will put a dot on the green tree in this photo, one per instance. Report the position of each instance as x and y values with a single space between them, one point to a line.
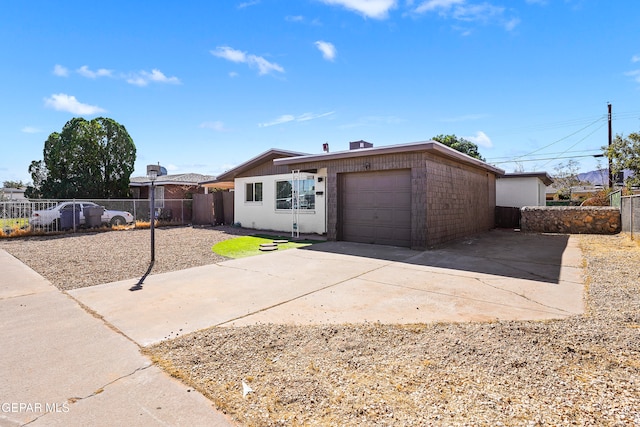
38 172
87 159
460 144
624 153
13 184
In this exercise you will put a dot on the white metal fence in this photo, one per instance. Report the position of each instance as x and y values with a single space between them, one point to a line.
21 214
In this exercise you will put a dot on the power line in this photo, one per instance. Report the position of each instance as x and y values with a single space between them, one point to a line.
540 160
559 140
579 141
594 150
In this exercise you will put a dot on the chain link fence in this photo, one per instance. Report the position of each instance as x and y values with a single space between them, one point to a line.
48 215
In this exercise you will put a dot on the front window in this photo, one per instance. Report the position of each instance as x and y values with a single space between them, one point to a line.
306 194
253 192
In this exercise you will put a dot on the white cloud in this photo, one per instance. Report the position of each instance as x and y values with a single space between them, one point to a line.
69 103
143 78
218 126
378 9
635 58
60 71
234 55
282 119
432 5
635 74
465 11
311 116
230 54
480 139
290 118
248 4
477 12
86 72
264 66
511 24
296 18
328 50
30 129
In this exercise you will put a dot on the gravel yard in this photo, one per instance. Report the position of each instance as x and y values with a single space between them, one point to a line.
583 370
72 261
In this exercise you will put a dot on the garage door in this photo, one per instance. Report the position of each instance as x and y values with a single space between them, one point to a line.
375 207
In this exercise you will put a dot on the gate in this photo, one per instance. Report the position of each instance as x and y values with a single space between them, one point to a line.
203 209
507 217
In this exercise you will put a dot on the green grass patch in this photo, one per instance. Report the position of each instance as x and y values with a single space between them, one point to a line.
244 246
14 222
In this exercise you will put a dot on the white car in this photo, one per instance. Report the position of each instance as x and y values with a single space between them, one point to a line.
51 217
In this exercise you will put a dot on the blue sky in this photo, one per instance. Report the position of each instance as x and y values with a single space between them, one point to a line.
202 86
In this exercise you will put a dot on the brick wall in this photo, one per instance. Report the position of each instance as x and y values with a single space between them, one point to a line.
571 219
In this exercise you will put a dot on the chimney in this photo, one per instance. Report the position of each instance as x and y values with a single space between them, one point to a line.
356 145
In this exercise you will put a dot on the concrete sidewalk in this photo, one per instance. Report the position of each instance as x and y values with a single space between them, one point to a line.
498 275
61 366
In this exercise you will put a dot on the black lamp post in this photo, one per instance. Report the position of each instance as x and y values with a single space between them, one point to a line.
153 171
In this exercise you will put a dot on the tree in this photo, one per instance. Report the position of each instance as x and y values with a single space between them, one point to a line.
566 176
38 172
624 153
13 184
87 159
460 144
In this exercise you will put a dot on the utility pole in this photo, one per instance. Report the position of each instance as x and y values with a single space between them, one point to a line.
610 140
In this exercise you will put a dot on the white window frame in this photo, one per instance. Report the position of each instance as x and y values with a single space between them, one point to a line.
309 191
253 193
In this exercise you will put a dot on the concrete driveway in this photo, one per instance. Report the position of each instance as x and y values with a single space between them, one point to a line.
497 275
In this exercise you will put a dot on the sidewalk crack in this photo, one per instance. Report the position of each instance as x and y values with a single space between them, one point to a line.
72 400
101 389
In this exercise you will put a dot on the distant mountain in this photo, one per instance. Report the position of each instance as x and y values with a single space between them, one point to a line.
599 177
596 177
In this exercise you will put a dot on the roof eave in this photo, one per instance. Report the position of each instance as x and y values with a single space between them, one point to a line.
432 146
251 163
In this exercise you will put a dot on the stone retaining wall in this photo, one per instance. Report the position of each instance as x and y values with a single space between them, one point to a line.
571 219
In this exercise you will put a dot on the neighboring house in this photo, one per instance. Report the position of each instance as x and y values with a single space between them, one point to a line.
522 189
13 194
170 190
415 195
178 186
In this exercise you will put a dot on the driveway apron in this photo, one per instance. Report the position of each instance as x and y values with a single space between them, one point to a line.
500 275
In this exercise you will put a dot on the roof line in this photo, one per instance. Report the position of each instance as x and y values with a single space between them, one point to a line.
433 146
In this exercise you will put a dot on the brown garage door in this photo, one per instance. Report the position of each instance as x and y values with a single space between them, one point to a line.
375 207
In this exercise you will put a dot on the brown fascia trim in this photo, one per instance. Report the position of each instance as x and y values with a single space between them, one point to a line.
249 164
543 176
430 146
